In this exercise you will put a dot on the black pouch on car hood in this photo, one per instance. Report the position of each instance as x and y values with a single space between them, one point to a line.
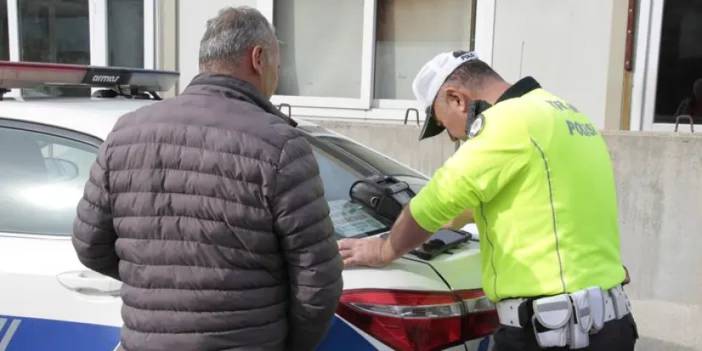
385 196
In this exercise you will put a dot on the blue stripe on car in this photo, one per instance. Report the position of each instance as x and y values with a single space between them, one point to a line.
485 344
342 337
43 334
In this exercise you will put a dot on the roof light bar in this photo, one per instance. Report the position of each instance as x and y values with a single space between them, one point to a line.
32 74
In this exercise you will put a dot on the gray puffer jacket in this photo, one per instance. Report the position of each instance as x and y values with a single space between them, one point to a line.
209 208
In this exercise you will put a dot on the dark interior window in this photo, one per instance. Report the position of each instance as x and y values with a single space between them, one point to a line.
4 35
125 31
679 90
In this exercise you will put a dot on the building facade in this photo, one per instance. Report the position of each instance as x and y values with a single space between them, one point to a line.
628 64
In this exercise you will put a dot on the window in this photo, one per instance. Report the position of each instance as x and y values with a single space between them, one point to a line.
125 33
409 33
321 54
679 88
384 164
338 178
56 31
350 219
341 164
43 178
4 35
84 32
364 53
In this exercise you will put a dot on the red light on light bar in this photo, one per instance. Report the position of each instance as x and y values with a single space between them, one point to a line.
32 74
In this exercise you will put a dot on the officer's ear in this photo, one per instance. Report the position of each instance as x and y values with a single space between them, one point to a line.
456 98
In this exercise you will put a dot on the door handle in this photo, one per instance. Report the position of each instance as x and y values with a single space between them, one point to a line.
90 283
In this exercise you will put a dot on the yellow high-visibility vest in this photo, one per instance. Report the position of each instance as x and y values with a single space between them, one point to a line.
540 181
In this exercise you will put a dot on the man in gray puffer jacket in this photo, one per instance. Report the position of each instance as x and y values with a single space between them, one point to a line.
210 209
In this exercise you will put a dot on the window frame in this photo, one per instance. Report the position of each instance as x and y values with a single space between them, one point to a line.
645 86
643 102
367 106
150 13
13 29
53 131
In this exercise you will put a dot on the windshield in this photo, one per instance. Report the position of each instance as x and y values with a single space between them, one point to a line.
343 162
350 219
384 164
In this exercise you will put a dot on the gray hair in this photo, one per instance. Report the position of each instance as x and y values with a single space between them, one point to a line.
233 32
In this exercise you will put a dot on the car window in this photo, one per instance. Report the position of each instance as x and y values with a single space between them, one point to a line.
41 181
384 164
341 163
337 176
350 219
42 177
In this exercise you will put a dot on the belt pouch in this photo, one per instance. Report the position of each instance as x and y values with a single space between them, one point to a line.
582 322
596 300
550 320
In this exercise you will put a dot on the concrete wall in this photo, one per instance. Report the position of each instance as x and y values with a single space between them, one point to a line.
659 185
574 48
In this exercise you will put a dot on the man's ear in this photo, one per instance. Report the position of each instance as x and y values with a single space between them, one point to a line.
454 97
257 59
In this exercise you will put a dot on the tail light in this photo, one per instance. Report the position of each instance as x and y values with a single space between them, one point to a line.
419 320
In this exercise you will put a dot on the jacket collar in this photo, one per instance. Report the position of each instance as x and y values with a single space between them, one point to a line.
245 90
520 88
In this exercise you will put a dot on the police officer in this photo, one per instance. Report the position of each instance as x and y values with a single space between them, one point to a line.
537 176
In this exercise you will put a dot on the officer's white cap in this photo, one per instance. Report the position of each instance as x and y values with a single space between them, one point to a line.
430 79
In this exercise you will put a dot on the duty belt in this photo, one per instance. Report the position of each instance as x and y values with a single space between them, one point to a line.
566 319
508 310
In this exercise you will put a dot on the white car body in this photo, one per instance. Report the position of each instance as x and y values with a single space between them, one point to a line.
50 301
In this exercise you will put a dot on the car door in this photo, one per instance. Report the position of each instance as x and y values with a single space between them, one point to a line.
48 299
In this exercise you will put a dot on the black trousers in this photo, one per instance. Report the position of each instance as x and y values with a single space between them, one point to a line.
617 335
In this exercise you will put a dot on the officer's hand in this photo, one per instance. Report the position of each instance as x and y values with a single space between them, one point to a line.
364 252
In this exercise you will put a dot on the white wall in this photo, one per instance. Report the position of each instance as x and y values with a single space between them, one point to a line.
567 45
192 16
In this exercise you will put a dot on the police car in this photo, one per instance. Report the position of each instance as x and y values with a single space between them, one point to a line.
49 301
